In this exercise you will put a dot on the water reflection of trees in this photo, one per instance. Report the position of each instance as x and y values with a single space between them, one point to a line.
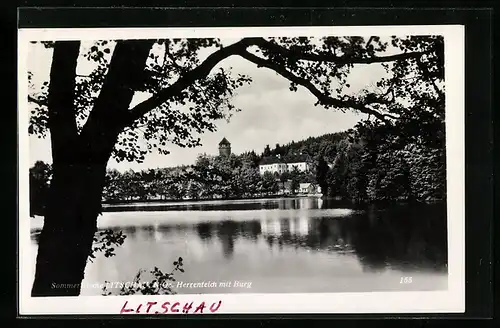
405 238
258 204
204 231
228 231
130 232
319 234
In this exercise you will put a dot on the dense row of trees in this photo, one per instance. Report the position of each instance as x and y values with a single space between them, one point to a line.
211 177
361 165
367 172
382 164
385 172
312 146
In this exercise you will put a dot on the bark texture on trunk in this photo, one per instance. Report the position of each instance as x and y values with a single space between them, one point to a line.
69 227
79 162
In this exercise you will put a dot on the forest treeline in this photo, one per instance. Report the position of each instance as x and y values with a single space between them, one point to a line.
365 164
210 177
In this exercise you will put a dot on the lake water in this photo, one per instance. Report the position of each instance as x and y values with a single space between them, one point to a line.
276 246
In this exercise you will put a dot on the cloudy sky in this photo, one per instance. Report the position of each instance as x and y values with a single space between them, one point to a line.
270 114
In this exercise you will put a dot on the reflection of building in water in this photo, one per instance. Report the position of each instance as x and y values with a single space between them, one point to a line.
303 226
263 226
304 232
289 204
285 227
157 234
270 227
299 226
275 227
292 225
284 204
303 203
320 202
309 203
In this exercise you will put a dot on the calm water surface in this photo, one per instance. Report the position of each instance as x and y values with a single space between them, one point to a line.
276 246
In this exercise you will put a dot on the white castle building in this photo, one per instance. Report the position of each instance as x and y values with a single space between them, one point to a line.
275 164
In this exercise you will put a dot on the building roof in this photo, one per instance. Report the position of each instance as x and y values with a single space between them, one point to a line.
289 159
224 142
300 158
270 160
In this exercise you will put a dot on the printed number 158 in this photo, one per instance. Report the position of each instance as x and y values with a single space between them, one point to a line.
405 280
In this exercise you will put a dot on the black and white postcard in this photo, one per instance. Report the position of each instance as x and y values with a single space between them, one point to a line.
241 170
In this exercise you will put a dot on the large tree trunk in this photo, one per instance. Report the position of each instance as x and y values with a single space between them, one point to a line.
69 227
79 162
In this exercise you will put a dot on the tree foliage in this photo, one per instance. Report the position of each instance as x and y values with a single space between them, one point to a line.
186 95
40 175
178 120
382 170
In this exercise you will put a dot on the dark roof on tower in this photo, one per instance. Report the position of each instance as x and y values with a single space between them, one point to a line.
224 142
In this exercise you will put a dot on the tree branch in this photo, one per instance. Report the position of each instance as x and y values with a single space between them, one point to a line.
239 48
331 58
322 98
185 80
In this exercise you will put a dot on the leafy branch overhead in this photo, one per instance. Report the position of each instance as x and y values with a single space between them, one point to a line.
184 87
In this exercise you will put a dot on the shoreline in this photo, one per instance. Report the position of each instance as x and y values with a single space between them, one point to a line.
177 201
366 203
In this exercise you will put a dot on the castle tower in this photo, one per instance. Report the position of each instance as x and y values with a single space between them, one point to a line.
224 147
